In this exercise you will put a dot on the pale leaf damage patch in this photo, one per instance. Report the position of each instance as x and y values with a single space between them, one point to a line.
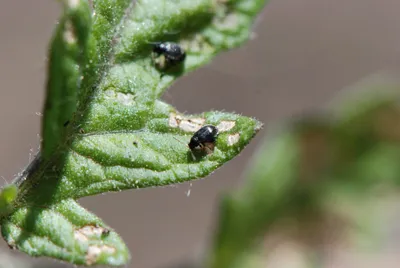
226 126
173 121
80 237
196 44
189 126
185 124
69 35
83 233
91 230
233 139
229 22
95 251
123 98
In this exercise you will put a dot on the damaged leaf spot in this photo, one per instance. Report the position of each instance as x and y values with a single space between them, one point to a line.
83 234
228 23
79 236
95 251
226 126
197 44
233 139
69 35
173 121
91 230
185 124
123 98
189 126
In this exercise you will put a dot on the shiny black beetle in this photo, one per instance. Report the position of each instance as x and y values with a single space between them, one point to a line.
204 139
172 54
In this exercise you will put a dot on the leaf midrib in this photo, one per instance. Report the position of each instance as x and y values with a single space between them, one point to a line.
108 63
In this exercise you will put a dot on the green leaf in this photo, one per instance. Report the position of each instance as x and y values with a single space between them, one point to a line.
244 216
65 231
154 155
119 134
66 56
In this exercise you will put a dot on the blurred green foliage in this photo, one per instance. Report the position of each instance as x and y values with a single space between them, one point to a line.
319 181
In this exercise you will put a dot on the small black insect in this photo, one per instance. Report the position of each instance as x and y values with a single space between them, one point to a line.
204 139
168 54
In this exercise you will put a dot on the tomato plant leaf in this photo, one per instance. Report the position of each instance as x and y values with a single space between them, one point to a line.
104 127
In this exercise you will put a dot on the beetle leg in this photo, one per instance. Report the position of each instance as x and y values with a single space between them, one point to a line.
209 147
193 156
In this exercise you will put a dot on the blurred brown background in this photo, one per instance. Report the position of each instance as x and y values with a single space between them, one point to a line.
303 53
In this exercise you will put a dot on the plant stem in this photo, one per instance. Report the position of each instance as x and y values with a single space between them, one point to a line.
30 169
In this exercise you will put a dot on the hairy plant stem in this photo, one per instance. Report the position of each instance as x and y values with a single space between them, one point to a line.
32 167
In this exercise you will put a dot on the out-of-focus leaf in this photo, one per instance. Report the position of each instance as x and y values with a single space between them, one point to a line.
244 216
313 181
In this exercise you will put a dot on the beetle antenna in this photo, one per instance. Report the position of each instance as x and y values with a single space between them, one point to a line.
181 142
152 43
193 156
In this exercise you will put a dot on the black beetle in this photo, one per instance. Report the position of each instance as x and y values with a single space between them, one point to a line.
172 53
204 139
